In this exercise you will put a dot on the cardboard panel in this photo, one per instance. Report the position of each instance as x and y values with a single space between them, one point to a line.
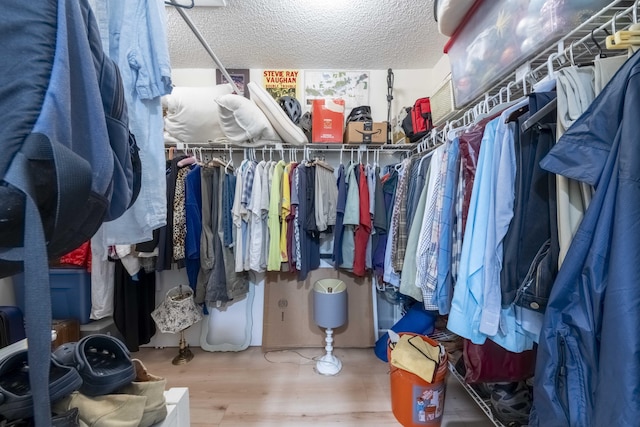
288 312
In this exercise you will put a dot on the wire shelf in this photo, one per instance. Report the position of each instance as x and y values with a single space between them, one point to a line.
574 46
443 335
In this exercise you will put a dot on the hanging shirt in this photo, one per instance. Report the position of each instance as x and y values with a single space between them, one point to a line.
255 228
285 208
274 258
340 208
310 238
400 237
434 246
424 276
143 61
295 201
351 218
247 190
264 215
326 197
363 230
179 226
390 275
388 189
238 250
296 220
227 204
193 206
371 185
468 296
408 285
444 287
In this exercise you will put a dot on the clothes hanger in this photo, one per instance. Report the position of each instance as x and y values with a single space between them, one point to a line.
624 39
538 115
514 115
595 42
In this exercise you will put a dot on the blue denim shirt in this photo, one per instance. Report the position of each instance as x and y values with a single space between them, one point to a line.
133 32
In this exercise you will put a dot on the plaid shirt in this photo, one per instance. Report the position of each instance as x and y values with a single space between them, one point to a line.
428 243
399 243
247 183
458 232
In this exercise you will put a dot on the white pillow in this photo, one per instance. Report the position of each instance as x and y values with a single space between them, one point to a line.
192 113
290 133
241 120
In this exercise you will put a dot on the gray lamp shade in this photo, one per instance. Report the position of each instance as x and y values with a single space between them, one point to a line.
330 303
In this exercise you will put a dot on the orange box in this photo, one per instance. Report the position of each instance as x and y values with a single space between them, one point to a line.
327 121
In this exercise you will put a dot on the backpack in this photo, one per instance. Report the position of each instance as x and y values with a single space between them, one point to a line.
68 159
418 122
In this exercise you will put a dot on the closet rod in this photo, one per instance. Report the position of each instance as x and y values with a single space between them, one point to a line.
389 148
204 43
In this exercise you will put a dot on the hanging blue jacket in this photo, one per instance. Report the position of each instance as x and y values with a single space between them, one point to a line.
588 361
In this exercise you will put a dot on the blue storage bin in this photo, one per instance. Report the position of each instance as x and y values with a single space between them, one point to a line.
70 293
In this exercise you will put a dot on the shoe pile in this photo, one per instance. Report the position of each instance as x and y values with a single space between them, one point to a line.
93 382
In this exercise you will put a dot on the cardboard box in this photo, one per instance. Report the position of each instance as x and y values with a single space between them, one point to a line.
288 312
327 121
366 133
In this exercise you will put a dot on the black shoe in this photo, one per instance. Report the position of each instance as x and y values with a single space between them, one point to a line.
102 361
16 401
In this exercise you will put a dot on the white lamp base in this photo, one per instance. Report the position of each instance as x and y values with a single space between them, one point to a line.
328 365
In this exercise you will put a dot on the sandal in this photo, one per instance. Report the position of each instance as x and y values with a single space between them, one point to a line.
16 401
102 361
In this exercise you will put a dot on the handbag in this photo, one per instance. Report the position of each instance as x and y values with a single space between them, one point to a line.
177 312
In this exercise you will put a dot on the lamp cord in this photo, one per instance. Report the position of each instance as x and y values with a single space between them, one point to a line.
313 359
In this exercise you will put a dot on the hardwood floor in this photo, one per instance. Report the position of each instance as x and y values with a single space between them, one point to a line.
281 388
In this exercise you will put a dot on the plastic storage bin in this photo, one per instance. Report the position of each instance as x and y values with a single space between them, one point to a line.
70 293
415 402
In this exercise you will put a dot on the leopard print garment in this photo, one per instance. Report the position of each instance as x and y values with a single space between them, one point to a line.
179 217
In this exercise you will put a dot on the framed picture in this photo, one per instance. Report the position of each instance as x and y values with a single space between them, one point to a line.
240 78
351 86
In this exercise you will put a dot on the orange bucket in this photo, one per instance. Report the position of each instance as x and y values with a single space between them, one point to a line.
414 401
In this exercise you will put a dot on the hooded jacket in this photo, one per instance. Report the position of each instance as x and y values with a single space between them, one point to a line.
588 363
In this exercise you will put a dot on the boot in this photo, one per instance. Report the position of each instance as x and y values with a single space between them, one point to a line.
152 387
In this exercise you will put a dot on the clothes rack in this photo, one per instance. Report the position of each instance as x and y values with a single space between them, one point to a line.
568 50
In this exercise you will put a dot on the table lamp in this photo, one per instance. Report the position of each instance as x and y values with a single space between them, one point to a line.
329 311
176 313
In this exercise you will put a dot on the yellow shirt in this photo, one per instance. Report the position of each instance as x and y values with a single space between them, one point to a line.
285 209
273 222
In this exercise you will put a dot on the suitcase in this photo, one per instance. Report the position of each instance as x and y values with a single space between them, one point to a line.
67 330
11 325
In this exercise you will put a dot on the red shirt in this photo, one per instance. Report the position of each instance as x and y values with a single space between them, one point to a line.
363 230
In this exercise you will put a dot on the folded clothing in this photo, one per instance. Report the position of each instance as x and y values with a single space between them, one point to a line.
412 354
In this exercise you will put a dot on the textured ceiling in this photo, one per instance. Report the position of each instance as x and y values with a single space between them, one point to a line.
309 34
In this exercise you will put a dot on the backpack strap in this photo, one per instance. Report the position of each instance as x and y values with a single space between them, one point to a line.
74 186
37 292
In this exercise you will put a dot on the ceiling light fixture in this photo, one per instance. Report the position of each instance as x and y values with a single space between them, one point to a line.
210 3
